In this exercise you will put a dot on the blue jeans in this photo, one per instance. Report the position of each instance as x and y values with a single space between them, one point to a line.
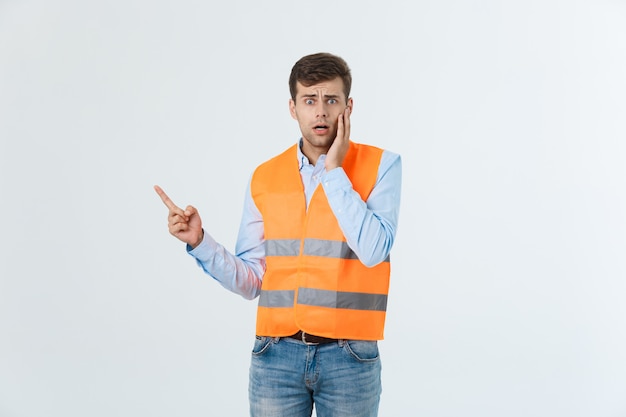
287 377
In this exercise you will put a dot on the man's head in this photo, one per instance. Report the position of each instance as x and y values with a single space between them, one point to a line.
320 90
315 68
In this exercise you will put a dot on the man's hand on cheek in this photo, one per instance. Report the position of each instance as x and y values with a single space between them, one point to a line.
339 148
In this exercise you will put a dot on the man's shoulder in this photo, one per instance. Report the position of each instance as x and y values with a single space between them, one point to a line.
371 147
368 149
281 159
386 154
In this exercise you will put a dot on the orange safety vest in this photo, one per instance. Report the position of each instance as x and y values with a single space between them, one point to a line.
313 281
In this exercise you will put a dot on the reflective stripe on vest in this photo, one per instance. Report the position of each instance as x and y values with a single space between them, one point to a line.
277 298
324 298
312 247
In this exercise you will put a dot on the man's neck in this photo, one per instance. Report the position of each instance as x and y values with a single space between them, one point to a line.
312 153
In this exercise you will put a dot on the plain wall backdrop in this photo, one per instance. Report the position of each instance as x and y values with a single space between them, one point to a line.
509 269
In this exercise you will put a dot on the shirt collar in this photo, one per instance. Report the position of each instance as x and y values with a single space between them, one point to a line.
303 160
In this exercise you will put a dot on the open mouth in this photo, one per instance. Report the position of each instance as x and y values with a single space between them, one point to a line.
320 128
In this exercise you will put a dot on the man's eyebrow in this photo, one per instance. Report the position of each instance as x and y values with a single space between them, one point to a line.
315 95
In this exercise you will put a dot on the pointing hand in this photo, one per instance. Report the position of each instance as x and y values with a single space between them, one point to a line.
185 225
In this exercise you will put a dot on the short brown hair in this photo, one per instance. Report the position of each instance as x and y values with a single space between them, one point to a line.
315 68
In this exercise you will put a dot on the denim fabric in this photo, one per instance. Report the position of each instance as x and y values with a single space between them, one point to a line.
288 378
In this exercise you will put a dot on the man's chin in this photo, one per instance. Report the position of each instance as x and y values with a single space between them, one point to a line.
327 138
320 141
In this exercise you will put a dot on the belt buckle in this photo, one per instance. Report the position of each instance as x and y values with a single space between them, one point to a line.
304 340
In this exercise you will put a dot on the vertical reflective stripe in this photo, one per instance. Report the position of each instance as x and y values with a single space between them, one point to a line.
338 299
282 247
276 298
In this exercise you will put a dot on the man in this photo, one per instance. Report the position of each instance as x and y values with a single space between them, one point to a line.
318 225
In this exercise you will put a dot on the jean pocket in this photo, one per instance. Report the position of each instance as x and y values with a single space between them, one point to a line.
261 344
362 351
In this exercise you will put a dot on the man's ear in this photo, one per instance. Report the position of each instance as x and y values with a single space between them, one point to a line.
292 108
350 104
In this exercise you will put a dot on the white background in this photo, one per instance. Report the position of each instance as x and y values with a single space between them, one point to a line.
509 269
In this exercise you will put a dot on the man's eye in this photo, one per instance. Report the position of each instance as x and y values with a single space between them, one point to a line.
332 101
309 101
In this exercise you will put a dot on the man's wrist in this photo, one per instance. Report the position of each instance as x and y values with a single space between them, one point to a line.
331 166
199 241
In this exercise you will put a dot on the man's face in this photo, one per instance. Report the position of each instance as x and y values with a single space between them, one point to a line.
317 109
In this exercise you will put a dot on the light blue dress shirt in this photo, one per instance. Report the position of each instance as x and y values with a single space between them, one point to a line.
369 227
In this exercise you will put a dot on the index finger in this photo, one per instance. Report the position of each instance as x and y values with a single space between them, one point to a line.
166 200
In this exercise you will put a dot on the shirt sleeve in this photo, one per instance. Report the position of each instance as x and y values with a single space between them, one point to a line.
242 272
369 227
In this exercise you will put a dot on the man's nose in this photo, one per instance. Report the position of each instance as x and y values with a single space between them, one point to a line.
321 109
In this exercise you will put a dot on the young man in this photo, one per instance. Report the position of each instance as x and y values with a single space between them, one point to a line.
318 225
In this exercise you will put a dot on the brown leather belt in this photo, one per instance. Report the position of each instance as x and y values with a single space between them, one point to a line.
310 339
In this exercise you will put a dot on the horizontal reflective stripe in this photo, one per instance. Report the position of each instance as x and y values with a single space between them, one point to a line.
282 247
338 299
328 249
324 298
276 298
312 247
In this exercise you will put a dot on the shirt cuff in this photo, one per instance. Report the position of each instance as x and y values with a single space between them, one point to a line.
205 250
336 181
